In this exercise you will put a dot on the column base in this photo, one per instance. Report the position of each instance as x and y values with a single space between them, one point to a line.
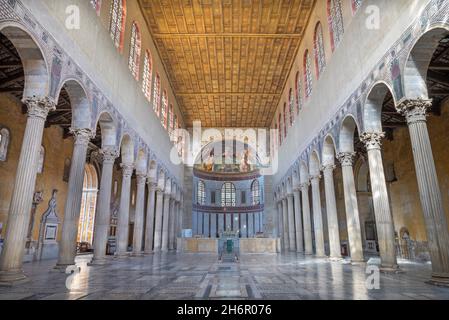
357 262
12 278
335 259
137 254
439 280
98 262
391 269
61 267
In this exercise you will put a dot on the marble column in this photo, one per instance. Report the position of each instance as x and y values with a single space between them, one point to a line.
251 232
318 216
175 224
123 213
291 223
139 216
382 212
415 112
298 221
307 223
351 204
22 197
67 246
149 227
103 214
213 226
285 224
331 210
172 221
280 223
165 223
158 223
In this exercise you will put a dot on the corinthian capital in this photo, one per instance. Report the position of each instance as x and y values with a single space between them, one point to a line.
82 136
328 168
109 154
372 140
127 170
315 178
141 178
304 186
415 110
39 107
346 158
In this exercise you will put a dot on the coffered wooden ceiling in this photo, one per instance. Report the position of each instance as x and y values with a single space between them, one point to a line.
227 60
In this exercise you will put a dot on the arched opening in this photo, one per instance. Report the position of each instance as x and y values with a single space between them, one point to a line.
88 209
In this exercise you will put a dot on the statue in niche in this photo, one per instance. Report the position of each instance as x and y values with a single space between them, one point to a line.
67 165
244 162
4 143
48 247
41 160
395 70
209 163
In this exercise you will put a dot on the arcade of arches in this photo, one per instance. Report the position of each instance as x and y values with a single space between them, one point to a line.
323 149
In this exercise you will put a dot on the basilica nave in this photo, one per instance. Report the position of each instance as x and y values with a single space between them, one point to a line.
225 149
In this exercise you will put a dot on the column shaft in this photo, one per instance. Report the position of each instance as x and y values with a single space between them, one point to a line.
139 216
285 224
429 190
22 198
67 246
103 214
298 222
165 223
331 210
384 219
307 223
352 208
291 223
171 231
149 228
158 225
123 213
318 217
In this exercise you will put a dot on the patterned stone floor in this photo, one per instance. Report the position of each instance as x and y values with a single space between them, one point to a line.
179 277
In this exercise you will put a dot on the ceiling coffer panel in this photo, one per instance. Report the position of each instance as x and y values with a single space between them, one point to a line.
227 60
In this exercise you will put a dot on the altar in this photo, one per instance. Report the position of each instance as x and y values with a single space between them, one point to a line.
245 245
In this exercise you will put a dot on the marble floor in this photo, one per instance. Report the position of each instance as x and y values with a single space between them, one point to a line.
188 276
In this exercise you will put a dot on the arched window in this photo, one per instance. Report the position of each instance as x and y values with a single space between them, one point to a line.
285 120
320 57
164 109
88 205
157 95
117 24
175 121
335 18
291 102
201 193
147 74
4 144
280 128
255 192
307 74
170 120
356 5
298 85
134 51
41 160
228 195
275 142
97 6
